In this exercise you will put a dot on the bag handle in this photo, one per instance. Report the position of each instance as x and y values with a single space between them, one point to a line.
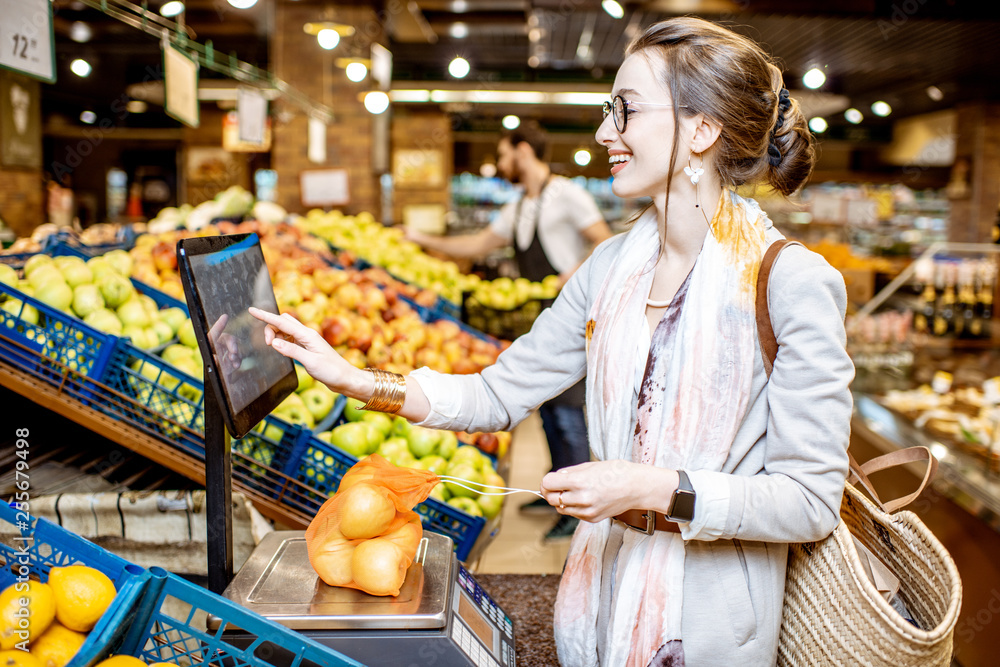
859 473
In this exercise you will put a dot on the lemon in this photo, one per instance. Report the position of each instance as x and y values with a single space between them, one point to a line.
57 645
28 611
82 595
18 658
122 661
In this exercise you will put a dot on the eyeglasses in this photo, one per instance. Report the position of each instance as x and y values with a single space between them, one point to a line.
620 106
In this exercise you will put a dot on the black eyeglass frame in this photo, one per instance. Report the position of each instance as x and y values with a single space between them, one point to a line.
618 102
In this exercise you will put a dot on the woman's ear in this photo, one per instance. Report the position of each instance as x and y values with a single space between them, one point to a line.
706 133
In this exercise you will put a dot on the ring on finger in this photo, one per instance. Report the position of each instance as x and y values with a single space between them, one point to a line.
561 506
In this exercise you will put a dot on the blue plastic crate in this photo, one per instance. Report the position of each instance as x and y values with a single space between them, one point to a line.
172 628
16 260
321 466
46 342
126 239
41 546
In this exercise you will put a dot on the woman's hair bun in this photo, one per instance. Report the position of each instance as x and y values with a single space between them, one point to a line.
797 149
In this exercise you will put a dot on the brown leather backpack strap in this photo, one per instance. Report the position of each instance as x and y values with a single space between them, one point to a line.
765 332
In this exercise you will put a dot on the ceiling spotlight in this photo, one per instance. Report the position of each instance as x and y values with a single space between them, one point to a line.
818 124
853 116
934 93
534 61
172 8
459 68
376 102
136 106
88 117
458 30
242 4
328 39
356 71
881 108
582 156
613 8
80 67
510 122
80 32
814 78
459 6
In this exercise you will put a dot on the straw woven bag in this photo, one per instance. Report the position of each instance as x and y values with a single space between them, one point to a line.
833 614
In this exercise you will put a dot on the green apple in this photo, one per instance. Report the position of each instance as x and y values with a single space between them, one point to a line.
423 441
297 414
448 444
133 314
391 447
151 308
380 420
490 505
434 463
400 426
305 380
162 331
8 276
175 352
55 293
174 317
28 314
77 274
186 334
318 402
34 262
105 320
115 289
120 260
404 459
142 337
467 505
324 436
99 267
351 437
87 299
468 454
466 472
440 492
353 411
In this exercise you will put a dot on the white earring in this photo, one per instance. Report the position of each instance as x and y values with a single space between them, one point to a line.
695 174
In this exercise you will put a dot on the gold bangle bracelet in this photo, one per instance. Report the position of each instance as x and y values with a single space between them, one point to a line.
389 392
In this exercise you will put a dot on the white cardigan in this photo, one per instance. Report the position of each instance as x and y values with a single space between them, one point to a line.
784 476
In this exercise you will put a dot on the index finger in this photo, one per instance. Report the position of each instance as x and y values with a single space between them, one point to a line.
284 323
219 325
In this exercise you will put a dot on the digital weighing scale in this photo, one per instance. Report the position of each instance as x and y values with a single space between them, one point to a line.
441 616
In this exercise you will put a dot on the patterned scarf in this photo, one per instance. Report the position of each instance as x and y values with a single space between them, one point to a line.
694 395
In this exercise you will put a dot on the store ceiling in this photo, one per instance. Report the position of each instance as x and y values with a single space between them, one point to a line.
870 49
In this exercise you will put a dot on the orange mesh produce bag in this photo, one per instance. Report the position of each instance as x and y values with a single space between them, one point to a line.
366 535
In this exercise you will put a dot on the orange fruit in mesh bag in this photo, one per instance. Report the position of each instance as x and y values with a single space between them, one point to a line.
405 534
365 511
332 559
379 566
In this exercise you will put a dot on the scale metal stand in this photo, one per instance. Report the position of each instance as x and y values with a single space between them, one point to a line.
218 492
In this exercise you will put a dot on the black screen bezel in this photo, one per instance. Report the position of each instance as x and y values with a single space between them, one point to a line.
238 423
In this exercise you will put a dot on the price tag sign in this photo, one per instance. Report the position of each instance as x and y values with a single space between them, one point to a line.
26 41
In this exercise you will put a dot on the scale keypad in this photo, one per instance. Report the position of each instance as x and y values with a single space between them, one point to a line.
492 611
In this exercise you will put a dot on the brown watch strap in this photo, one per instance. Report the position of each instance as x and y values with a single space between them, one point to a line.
765 332
637 519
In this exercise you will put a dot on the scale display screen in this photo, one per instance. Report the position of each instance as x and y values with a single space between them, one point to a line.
482 628
223 276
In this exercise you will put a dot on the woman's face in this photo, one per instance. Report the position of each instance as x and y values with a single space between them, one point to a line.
639 158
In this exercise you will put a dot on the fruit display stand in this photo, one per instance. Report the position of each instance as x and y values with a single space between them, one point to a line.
30 548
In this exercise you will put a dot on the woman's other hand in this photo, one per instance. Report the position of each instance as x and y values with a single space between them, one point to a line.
599 490
295 340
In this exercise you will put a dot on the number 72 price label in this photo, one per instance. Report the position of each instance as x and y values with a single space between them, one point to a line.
26 41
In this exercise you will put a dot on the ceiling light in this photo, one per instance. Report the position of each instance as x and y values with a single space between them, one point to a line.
487 170
356 71
459 6
534 61
934 93
80 67
328 39
814 78
818 125
172 8
243 4
881 108
458 30
459 68
376 102
534 34
582 156
510 122
88 117
853 116
613 9
136 106
80 32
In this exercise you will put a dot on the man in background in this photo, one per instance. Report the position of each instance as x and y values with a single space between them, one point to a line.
553 227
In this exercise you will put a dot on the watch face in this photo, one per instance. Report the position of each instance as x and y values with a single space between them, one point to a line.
683 507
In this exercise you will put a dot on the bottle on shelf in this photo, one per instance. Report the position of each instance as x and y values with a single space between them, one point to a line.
965 305
923 289
944 311
984 305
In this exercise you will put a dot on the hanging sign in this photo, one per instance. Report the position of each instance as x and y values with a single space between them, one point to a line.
181 85
26 41
231 135
251 109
